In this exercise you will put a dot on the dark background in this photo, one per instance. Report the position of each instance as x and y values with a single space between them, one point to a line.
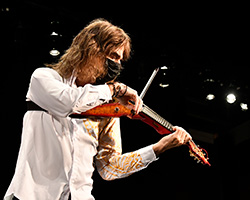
206 49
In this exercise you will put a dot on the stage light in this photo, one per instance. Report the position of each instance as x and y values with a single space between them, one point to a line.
164 67
163 85
54 52
54 33
209 80
231 98
5 9
210 97
164 76
244 106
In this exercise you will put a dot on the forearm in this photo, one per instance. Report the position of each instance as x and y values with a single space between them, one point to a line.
48 90
117 89
178 138
121 166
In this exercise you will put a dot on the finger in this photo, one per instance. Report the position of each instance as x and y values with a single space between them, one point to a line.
139 105
188 138
174 128
179 129
130 105
183 136
135 99
137 102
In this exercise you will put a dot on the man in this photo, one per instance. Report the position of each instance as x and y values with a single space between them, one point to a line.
57 152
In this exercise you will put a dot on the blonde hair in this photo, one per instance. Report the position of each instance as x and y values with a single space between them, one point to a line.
90 48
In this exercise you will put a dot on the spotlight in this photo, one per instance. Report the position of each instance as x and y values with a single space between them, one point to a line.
231 98
54 52
163 85
164 67
164 77
210 97
54 33
244 106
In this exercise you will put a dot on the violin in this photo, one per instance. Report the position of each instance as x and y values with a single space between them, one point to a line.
147 116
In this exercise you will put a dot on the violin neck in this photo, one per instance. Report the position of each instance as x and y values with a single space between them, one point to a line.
147 115
157 118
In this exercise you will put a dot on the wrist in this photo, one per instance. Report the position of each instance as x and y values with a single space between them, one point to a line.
122 90
157 148
117 89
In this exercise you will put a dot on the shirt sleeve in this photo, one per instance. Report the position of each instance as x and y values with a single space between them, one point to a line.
111 163
48 90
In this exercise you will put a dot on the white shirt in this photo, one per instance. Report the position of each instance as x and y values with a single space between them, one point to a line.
57 153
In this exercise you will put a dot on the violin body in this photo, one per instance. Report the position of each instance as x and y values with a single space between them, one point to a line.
118 110
147 116
105 110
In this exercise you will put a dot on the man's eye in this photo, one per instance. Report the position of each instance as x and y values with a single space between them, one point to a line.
114 56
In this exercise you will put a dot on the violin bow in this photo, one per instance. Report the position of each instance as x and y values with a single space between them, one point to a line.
150 80
195 151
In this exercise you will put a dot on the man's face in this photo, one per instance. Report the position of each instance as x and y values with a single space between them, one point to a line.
114 67
117 55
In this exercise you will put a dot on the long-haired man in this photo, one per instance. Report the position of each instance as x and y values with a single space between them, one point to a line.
57 152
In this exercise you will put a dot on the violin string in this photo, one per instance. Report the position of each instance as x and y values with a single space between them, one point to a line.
197 152
157 117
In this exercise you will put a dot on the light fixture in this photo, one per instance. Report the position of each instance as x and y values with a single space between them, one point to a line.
231 98
210 97
210 80
164 82
163 85
210 85
54 52
244 106
164 67
54 33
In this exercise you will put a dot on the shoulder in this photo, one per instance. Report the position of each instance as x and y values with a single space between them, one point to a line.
44 72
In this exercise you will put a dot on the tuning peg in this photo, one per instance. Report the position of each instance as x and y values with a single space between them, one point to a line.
191 154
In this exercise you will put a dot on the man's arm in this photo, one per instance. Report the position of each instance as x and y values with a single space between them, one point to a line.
111 163
48 90
178 138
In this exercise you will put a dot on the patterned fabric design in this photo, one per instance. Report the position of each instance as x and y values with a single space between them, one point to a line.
110 162
92 127
120 166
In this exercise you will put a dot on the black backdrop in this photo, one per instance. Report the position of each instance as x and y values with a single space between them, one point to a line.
196 42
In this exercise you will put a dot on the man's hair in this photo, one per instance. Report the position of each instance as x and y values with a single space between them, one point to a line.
90 48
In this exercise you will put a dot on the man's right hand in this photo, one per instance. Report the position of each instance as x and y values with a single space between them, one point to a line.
126 96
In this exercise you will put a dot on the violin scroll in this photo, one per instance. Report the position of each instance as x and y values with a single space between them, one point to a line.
198 153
